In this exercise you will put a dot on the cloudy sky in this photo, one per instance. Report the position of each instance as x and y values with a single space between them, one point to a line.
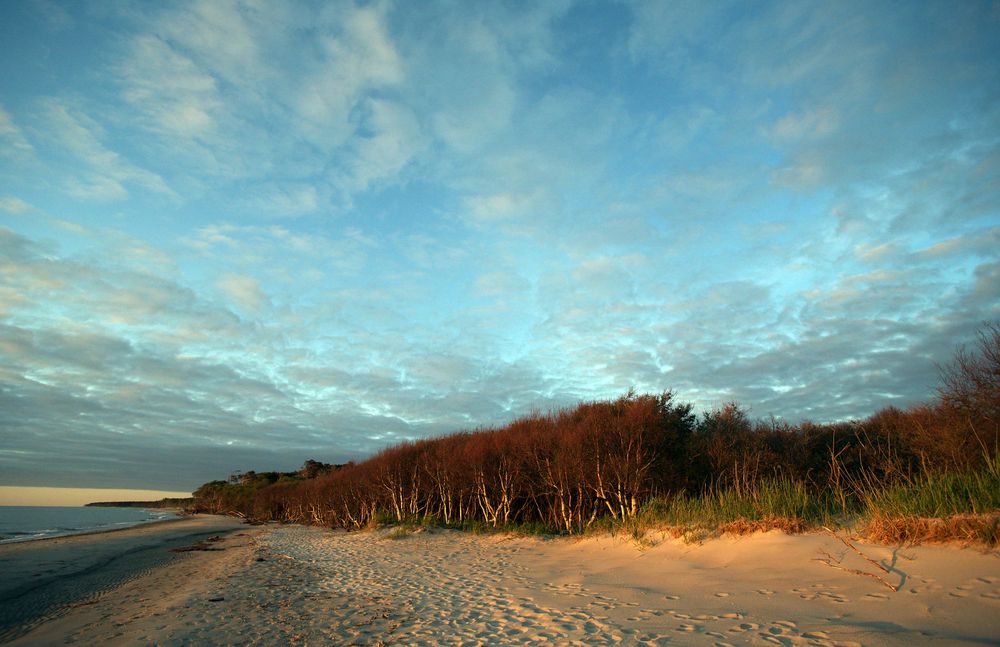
243 234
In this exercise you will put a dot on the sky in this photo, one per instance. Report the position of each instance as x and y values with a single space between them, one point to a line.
68 496
240 235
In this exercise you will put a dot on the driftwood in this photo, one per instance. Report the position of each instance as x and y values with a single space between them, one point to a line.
830 561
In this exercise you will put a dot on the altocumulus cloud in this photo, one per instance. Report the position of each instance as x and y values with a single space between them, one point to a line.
240 235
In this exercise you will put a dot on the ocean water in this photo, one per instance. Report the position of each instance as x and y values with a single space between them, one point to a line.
24 523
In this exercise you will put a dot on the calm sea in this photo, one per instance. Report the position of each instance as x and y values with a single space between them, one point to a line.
24 523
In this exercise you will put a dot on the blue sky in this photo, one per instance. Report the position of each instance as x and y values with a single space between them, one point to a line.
241 234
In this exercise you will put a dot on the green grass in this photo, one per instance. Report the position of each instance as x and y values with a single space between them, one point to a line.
401 532
770 499
939 495
788 505
926 508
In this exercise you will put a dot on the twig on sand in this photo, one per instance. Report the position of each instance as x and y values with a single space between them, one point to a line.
834 563
829 561
871 561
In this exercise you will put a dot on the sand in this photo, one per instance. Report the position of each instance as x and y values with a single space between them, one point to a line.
41 579
279 585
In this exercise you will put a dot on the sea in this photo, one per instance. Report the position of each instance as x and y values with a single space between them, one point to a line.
26 523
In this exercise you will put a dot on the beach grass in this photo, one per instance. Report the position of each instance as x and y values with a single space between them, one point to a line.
938 495
934 507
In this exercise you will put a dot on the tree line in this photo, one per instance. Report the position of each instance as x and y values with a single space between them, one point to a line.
565 470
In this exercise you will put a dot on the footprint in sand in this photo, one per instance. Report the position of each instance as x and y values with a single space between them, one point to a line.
722 594
785 625
833 597
816 635
672 597
687 627
778 630
875 597
785 632
765 591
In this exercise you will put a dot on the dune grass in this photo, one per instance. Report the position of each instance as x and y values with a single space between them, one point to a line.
938 507
935 507
777 498
770 504
939 495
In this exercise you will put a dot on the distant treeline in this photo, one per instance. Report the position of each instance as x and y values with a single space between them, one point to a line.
604 461
180 502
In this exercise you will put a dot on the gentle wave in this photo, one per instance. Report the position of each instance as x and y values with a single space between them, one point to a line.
25 523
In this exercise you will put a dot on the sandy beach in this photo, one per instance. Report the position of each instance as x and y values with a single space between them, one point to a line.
48 578
296 585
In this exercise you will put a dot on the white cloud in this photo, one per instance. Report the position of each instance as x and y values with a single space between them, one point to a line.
274 249
107 171
501 284
505 206
287 200
176 97
235 56
101 188
14 205
807 124
803 174
245 291
14 141
354 55
479 114
394 141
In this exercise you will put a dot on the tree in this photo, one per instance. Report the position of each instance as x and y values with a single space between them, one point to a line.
970 389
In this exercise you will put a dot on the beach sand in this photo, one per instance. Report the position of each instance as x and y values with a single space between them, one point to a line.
46 578
279 585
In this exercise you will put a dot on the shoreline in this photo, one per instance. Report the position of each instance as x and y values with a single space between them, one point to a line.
181 515
290 584
43 578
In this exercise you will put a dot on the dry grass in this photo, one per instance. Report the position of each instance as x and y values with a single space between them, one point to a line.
790 525
978 529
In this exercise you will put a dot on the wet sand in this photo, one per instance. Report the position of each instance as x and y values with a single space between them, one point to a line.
295 585
45 578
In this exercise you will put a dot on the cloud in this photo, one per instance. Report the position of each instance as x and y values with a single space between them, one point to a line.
484 210
213 106
507 207
811 124
275 249
107 171
176 98
395 139
14 205
244 291
289 200
501 284
15 143
468 64
354 55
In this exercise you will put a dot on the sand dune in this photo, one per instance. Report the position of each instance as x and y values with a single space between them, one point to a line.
296 585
